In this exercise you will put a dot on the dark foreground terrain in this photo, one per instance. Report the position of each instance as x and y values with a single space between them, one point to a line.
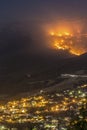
60 106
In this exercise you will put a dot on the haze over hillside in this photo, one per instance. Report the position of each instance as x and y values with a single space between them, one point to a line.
22 61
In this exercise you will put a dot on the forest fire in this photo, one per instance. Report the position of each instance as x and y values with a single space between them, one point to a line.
68 41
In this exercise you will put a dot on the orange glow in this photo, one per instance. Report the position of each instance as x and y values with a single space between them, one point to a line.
52 33
67 41
77 52
60 34
66 33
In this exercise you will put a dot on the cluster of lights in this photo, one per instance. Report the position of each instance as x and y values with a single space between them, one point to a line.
45 108
67 41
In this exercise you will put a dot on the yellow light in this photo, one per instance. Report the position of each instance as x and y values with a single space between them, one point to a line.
59 34
52 33
73 101
66 33
59 47
23 111
64 41
75 52
83 99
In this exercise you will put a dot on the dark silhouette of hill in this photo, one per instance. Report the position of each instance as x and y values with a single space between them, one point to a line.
14 75
19 66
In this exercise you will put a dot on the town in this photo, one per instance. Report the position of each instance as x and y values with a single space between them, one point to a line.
44 110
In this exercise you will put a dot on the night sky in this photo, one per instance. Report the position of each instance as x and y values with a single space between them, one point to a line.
36 18
42 11
25 26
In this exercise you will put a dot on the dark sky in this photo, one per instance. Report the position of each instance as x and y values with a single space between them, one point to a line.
34 17
42 10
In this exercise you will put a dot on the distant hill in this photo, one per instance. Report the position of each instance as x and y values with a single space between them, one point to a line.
14 74
19 67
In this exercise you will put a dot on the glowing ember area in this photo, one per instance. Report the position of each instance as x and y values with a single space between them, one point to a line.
73 43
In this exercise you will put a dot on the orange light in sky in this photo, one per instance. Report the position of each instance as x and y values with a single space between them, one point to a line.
67 41
52 33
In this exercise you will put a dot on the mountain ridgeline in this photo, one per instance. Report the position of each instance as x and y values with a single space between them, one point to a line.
22 68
